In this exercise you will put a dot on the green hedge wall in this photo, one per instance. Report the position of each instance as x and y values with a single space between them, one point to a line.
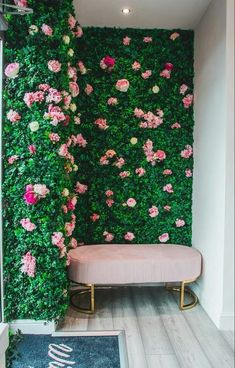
98 222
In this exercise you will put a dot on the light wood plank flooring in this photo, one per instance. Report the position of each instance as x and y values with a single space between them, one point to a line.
158 334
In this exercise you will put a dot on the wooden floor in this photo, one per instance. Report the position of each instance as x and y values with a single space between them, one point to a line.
158 335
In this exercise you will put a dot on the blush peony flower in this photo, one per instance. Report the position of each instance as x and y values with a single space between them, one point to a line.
28 264
146 74
164 238
32 149
81 188
71 21
54 137
129 236
12 159
29 196
166 74
187 101
74 89
187 152
124 174
112 101
95 217
89 89
167 172
58 239
138 113
131 202
54 66
109 193
136 66
140 171
174 36
119 163
175 126
159 155
126 41
12 70
167 208
180 223
27 224
168 188
153 211
102 124
148 39
47 30
122 85
183 89
41 190
13 116
188 173
108 236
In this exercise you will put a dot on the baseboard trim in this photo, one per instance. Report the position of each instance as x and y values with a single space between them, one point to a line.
32 327
226 322
4 342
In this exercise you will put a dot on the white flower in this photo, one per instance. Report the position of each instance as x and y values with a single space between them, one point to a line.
75 168
73 107
33 29
134 140
65 192
34 126
66 39
156 89
70 52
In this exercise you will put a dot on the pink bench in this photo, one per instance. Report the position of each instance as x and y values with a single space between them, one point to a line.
135 264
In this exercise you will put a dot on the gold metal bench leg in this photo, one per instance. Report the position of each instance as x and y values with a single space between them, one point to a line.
183 289
91 291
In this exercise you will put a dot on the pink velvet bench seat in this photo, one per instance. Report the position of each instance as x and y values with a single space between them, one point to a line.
135 264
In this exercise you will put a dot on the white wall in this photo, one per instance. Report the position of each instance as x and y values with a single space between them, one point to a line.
212 209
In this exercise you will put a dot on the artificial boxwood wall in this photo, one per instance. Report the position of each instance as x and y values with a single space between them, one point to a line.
161 210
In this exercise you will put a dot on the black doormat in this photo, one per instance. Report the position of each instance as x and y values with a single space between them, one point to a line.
45 351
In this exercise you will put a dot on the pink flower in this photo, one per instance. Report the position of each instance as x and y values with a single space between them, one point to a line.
183 89
180 223
30 197
63 150
54 137
54 96
82 68
28 264
81 188
32 149
126 41
174 36
44 87
89 89
140 171
71 21
153 211
81 141
167 208
13 116
146 74
188 173
54 66
138 113
166 74
58 239
169 66
159 155
109 202
102 124
148 39
48 31
55 114
79 32
119 163
71 204
74 89
164 238
21 3
104 161
72 72
187 101
12 159
112 101
167 172
109 193
131 202
122 85
108 236
110 153
176 126
69 228
73 243
12 70
27 224
41 190
124 174
136 66
95 217
109 61
168 188
129 236
187 152
68 260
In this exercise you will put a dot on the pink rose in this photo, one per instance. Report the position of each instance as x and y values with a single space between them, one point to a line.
32 149
167 208
28 264
122 85
124 174
54 137
146 74
71 21
69 228
79 32
119 163
180 223
110 153
109 61
164 238
129 236
81 141
12 159
102 124
167 172
13 116
81 188
176 126
138 113
95 217
47 30
109 193
174 36
187 152
108 236
82 68
89 89
71 204
12 70
21 3
72 72
188 173
169 66
109 202
183 89
153 211
187 101
27 224
131 202
148 39
29 196
112 101
74 89
73 243
168 188
104 161
159 155
136 66
166 74
54 66
126 41
41 190
140 171
58 239
44 87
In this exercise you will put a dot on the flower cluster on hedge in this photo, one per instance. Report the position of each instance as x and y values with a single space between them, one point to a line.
138 119
40 139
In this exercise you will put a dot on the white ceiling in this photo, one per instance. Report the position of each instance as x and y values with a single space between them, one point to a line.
184 14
